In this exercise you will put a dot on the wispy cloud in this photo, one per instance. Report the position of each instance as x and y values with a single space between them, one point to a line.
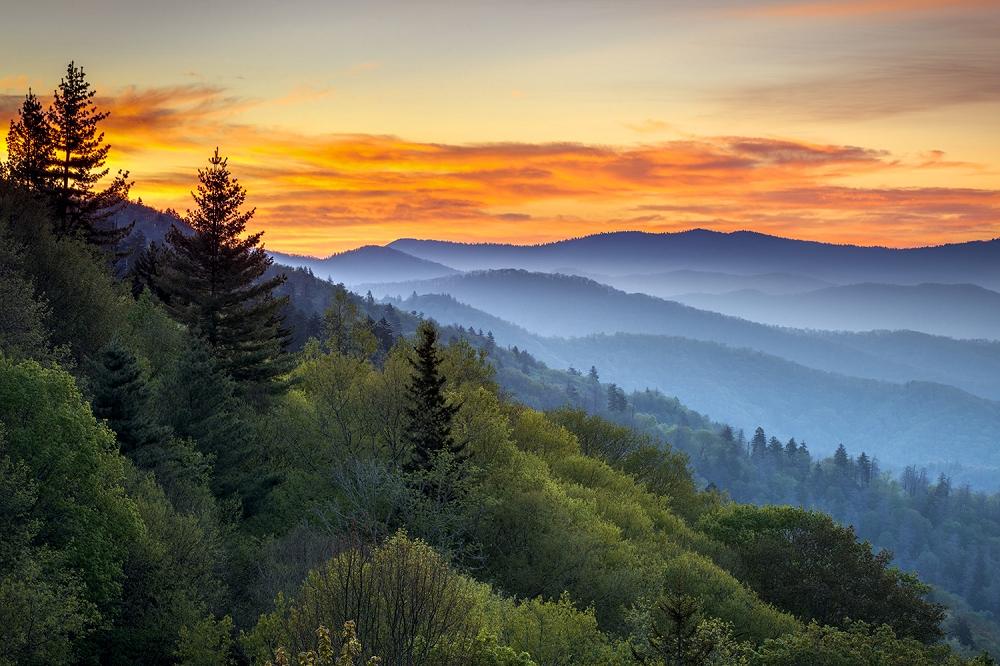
853 8
871 90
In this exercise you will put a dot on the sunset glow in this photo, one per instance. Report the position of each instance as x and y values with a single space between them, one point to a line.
568 134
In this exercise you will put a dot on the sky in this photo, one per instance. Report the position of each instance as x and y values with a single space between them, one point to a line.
874 122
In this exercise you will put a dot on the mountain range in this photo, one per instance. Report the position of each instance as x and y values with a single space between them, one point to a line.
741 252
572 306
900 422
370 263
955 310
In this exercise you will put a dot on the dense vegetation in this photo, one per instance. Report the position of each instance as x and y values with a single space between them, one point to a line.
947 533
176 486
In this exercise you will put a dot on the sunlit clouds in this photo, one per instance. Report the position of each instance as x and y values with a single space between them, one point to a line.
318 193
865 121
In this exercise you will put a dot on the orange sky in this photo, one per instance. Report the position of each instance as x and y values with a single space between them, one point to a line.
597 122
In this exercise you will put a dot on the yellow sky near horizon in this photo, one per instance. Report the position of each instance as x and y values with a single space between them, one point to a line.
870 122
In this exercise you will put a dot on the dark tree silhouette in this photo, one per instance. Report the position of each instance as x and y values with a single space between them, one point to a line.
29 147
79 154
211 281
429 415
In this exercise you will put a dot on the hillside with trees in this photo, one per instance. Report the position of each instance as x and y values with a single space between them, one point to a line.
185 479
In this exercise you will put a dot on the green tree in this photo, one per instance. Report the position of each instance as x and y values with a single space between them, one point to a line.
23 333
199 401
43 610
79 154
211 279
429 414
122 398
81 507
804 562
348 331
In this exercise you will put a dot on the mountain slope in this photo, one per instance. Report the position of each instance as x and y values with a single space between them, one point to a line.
371 263
901 423
741 252
671 283
559 305
954 310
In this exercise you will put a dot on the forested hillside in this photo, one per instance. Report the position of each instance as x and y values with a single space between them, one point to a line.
902 423
188 475
572 306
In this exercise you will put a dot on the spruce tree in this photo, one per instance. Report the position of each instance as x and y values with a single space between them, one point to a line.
77 166
211 281
29 147
758 445
429 415
122 398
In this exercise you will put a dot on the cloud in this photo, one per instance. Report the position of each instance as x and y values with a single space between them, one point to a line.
321 193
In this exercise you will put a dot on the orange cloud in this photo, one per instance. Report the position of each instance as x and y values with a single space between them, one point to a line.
322 193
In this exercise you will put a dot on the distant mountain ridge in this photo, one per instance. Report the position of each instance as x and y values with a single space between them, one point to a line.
572 306
953 310
669 284
897 421
369 263
740 252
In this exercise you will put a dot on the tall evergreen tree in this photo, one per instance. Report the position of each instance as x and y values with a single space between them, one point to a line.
841 459
79 154
758 445
29 146
211 281
429 415
122 397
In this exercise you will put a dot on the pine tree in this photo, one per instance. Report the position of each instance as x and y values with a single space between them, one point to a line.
385 338
758 445
29 147
864 469
212 282
841 459
79 154
122 398
145 271
429 416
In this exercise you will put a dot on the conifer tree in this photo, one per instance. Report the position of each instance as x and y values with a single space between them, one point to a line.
211 281
429 415
122 398
758 445
841 459
78 157
29 147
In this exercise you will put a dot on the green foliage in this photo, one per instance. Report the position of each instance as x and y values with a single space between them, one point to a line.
22 318
122 399
557 633
347 331
81 506
172 578
85 307
859 644
208 642
43 609
804 562
404 599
